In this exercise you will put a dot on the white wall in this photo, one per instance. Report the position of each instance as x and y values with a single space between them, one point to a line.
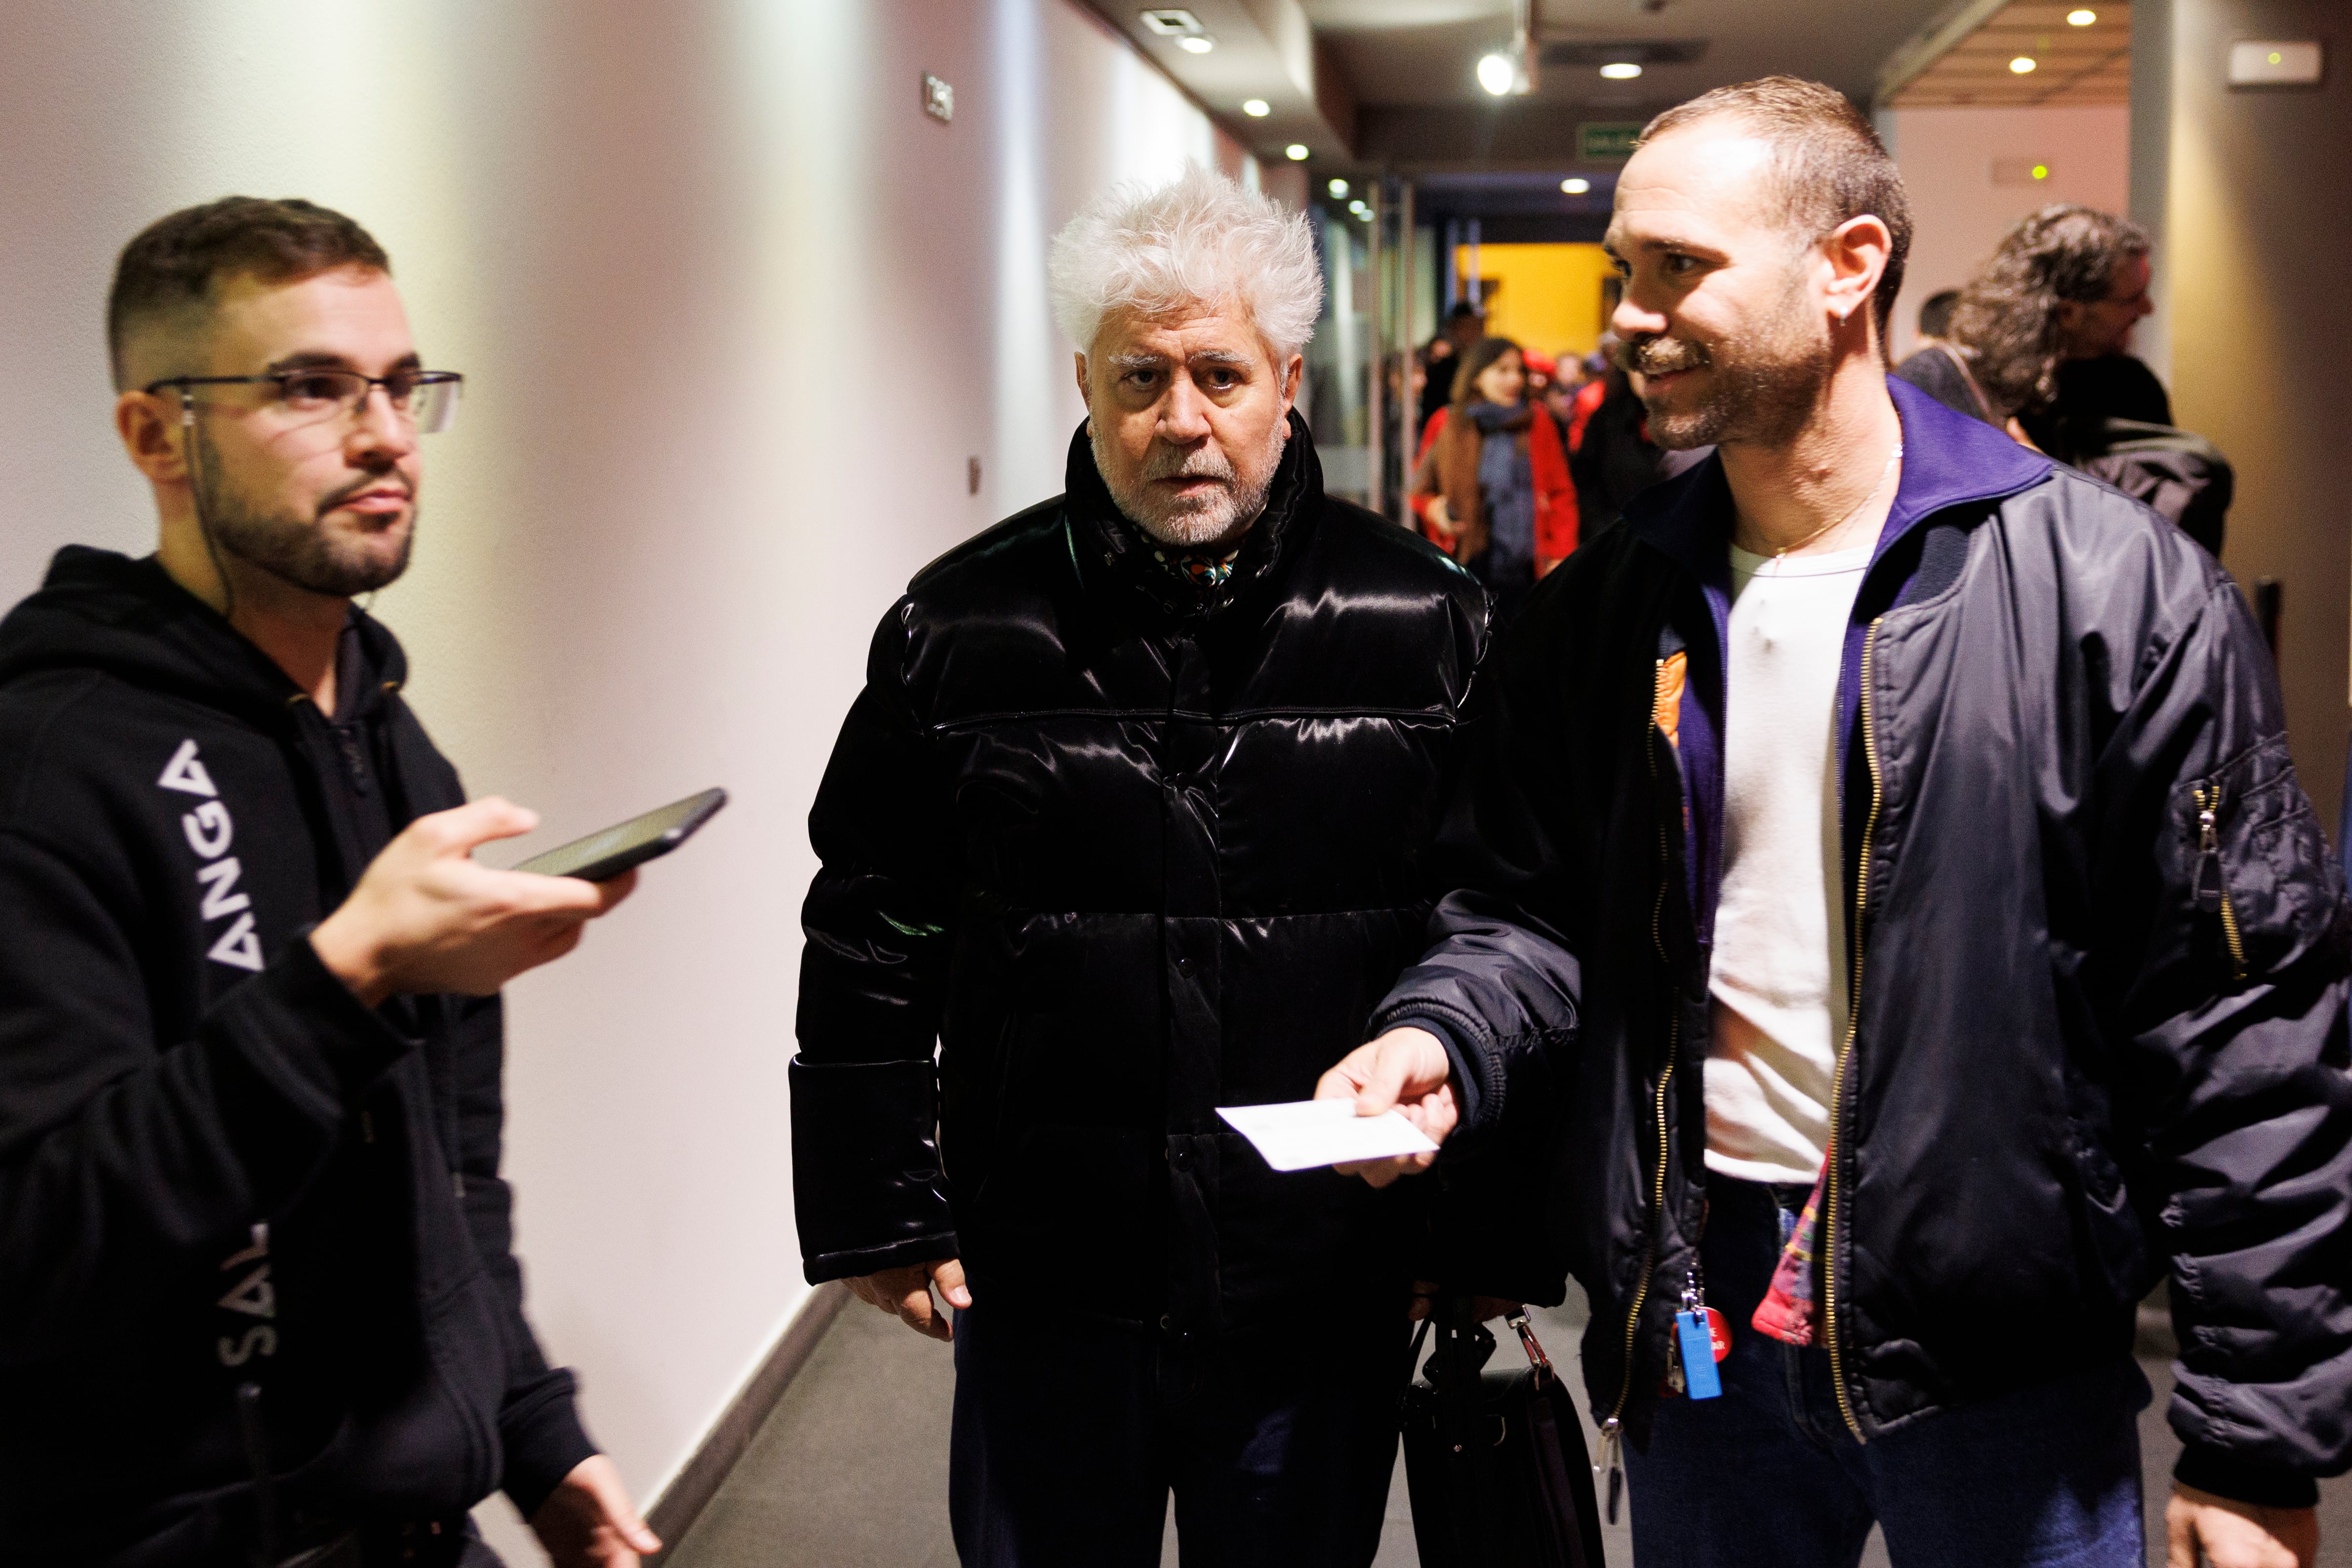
733 315
1958 215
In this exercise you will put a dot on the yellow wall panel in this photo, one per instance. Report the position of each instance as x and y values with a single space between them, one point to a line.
1546 297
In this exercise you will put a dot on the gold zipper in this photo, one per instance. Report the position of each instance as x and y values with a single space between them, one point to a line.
1611 1431
1845 1051
2208 845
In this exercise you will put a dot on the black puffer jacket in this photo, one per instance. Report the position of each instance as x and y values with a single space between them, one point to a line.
254 1244
1128 853
2094 1041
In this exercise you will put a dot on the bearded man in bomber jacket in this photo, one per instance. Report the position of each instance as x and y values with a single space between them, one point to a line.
1888 841
1125 826
257 1301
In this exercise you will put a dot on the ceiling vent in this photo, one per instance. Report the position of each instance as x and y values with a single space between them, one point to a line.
1638 51
1172 23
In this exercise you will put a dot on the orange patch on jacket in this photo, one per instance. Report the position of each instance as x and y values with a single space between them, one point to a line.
1667 715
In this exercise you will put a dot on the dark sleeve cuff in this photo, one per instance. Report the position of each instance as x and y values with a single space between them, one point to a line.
1473 1100
2210 1470
307 1032
851 1264
544 1443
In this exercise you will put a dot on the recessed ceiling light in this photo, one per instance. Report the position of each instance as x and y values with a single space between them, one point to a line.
1298 153
1494 74
1576 188
1620 70
2081 18
1257 109
1172 23
1338 188
2023 64
1198 44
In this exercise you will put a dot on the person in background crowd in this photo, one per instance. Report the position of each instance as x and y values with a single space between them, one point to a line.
1491 485
1124 827
1590 394
1612 457
1936 314
1560 393
258 1300
1939 368
1881 859
2037 346
2045 331
1465 325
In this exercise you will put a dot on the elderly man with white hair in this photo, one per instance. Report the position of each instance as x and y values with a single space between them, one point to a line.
1125 827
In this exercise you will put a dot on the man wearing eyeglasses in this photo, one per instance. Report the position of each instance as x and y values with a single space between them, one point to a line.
259 1303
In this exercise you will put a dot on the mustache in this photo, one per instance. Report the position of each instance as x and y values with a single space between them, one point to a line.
1662 356
1202 463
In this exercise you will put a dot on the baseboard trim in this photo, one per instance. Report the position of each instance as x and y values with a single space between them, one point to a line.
699 1480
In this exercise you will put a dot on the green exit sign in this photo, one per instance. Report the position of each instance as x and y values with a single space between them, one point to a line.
1607 140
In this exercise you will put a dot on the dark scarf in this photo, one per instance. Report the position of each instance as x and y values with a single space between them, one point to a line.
1192 583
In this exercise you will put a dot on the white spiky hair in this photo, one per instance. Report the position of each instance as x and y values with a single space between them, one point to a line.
1202 241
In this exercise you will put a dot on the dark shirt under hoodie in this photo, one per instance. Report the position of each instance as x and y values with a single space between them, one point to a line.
239 1210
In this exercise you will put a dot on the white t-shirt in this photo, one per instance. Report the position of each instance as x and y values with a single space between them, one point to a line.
1778 975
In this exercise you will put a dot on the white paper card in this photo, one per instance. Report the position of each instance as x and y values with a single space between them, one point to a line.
1302 1134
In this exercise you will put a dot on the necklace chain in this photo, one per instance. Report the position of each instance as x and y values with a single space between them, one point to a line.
1891 459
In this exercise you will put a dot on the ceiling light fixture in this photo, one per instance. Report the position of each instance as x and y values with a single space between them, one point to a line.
1494 74
1620 70
1338 188
1576 188
2023 64
1198 44
1298 153
2081 18
1258 107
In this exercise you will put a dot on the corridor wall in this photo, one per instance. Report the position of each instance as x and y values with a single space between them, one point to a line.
735 316
2240 185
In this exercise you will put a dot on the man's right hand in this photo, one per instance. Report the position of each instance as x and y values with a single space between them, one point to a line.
1405 1070
906 1294
425 918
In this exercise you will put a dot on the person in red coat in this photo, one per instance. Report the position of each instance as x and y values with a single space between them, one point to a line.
1491 485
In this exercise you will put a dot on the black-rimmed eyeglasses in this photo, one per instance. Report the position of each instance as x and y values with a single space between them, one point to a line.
423 400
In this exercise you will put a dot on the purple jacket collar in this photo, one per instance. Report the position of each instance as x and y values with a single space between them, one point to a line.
1948 459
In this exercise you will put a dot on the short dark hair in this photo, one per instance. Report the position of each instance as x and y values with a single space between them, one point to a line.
2007 320
1936 314
175 266
1831 166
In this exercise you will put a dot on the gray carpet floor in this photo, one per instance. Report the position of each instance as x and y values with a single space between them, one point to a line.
852 1467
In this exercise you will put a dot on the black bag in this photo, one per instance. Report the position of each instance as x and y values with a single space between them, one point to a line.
1495 1461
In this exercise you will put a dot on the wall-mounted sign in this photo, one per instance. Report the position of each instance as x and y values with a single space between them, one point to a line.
1606 140
2259 62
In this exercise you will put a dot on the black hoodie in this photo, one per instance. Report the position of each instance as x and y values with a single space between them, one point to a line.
248 1227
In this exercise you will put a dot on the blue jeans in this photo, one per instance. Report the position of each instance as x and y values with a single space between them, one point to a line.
1769 1475
1069 1435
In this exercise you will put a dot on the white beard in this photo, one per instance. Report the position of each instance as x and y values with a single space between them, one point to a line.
1191 523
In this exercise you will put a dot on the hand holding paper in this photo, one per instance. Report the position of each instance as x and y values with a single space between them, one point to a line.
1300 1134
1406 1070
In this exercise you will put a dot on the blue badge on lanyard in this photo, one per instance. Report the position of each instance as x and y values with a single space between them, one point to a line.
1698 1355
